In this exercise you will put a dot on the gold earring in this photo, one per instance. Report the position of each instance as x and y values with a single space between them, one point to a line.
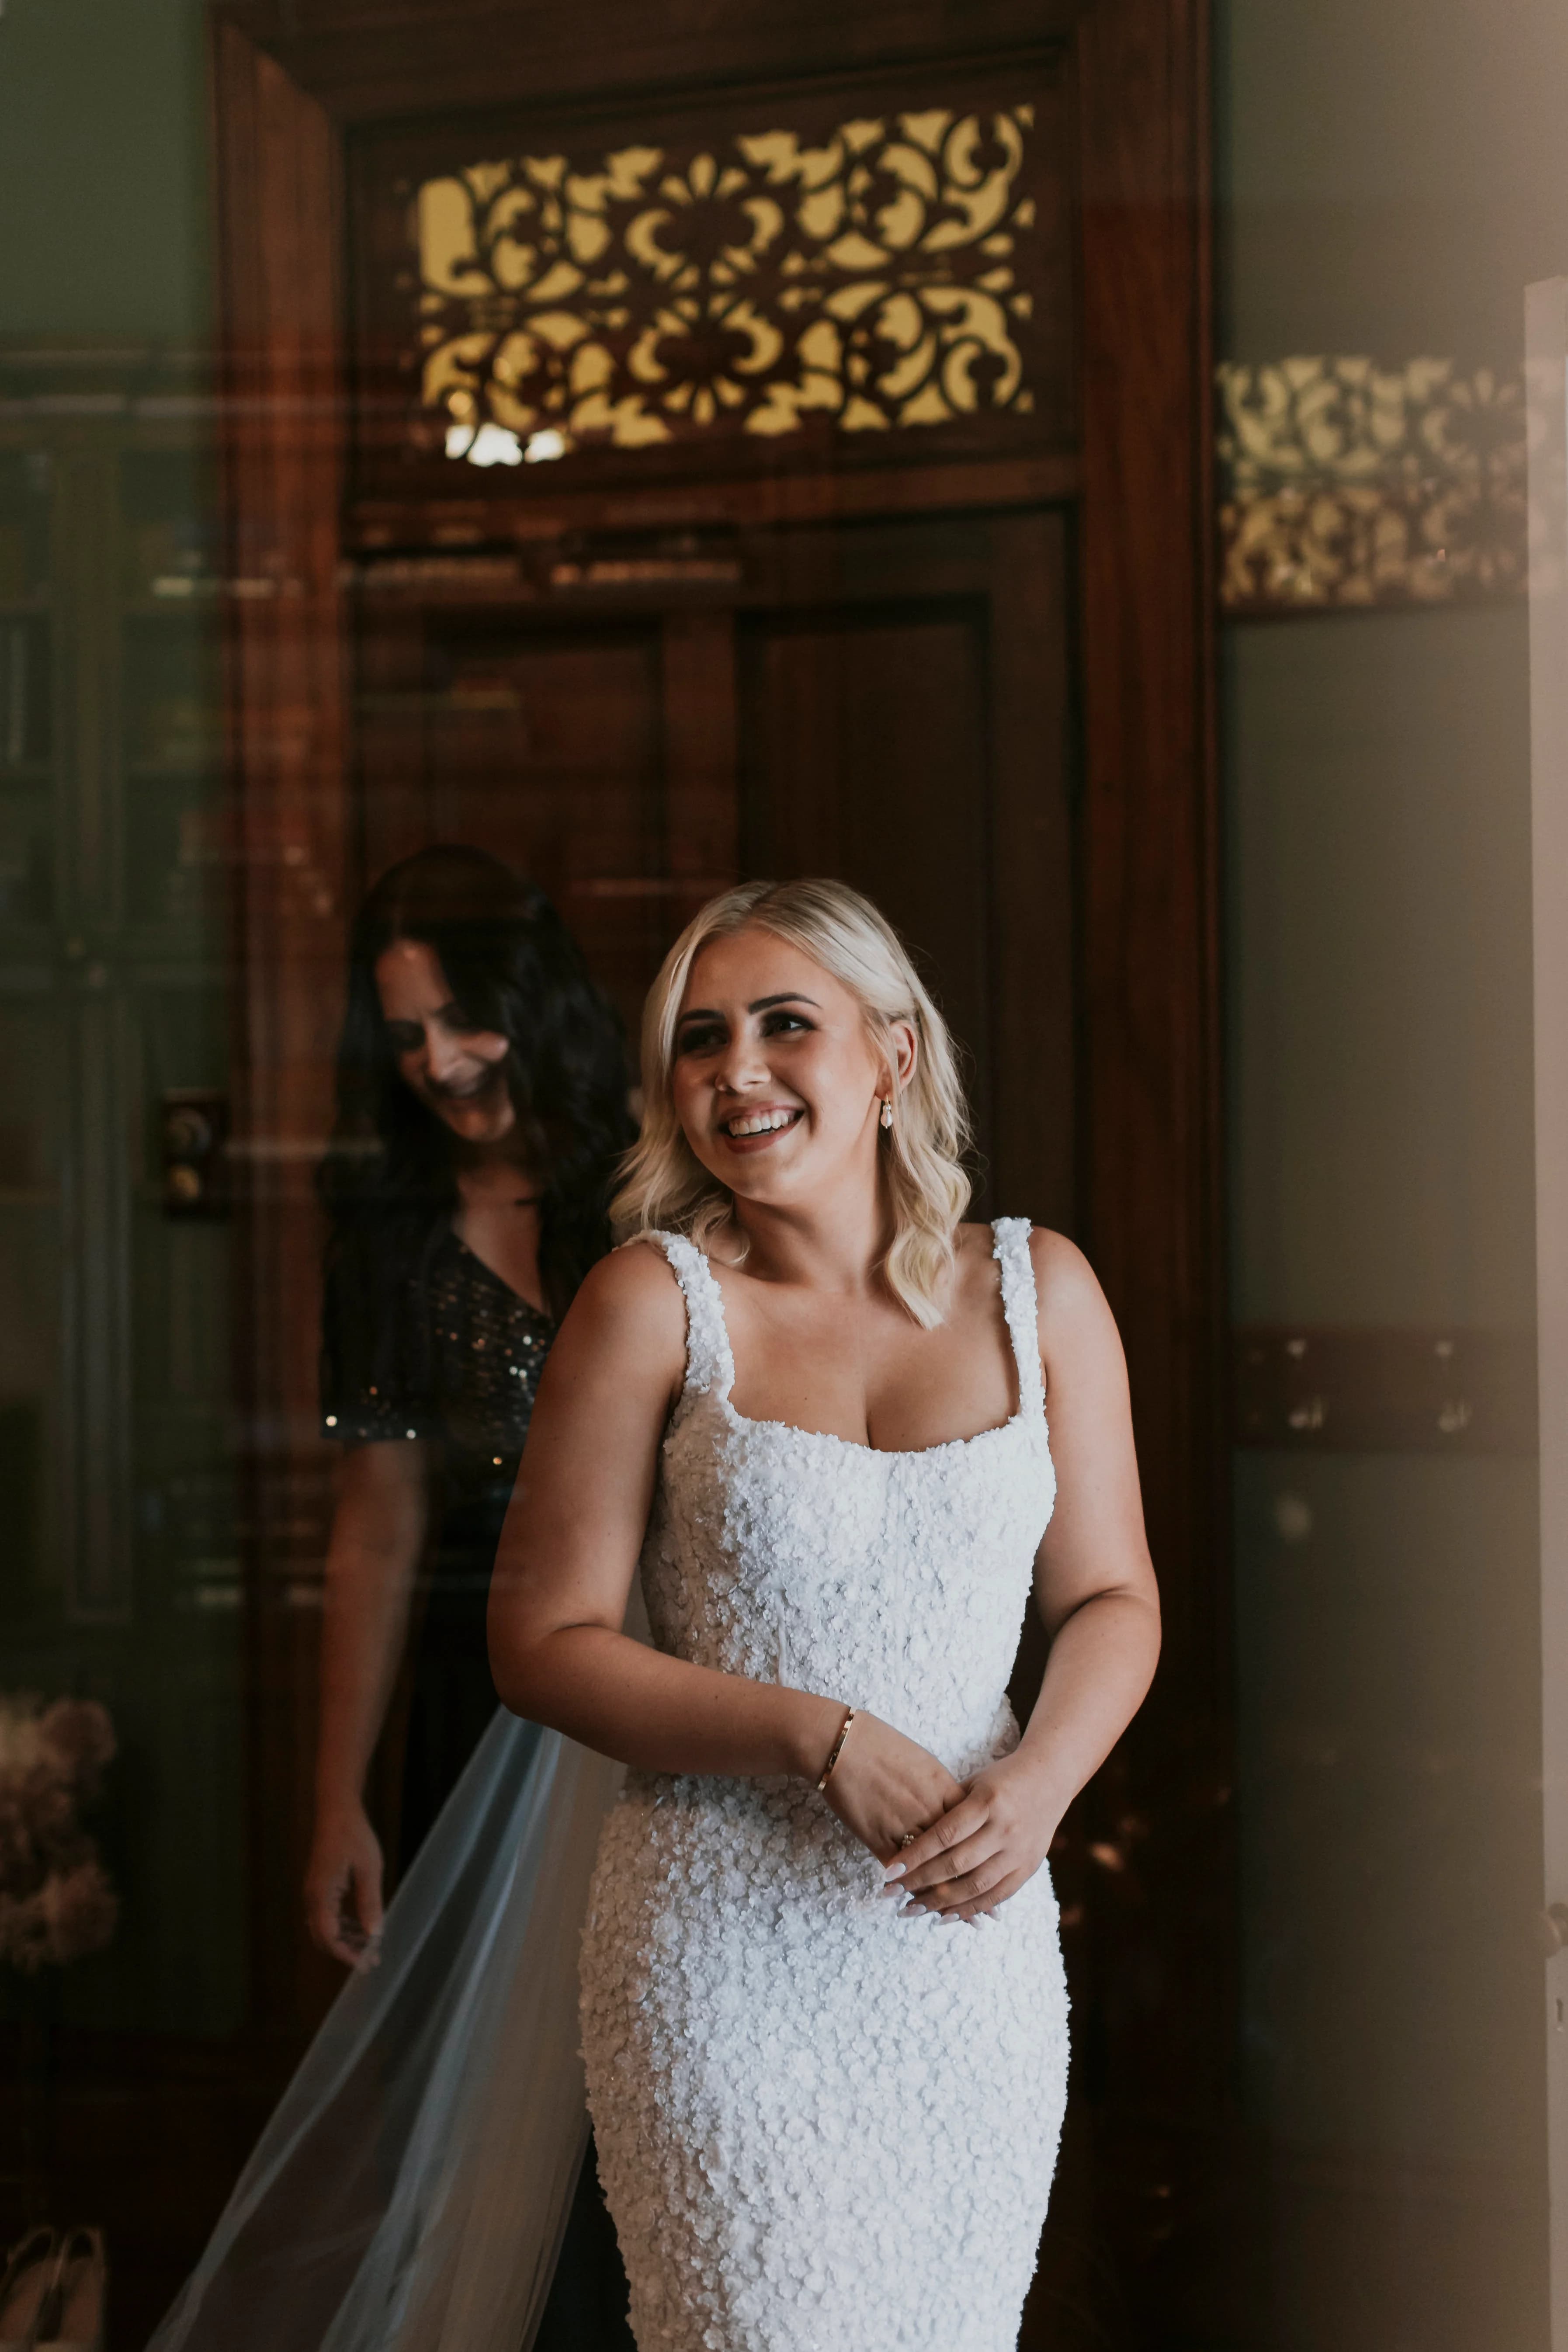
887 1110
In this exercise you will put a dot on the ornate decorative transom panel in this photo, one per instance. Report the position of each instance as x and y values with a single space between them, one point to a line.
876 275
1346 483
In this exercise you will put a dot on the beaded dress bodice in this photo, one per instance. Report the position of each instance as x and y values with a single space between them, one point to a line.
897 1578
822 2126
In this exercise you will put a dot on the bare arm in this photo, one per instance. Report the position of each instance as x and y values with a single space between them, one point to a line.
568 1554
569 1551
1094 1581
1095 1587
378 1533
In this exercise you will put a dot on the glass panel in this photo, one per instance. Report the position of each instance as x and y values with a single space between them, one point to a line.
687 444
118 1413
876 279
792 273
118 1577
1384 1486
1344 483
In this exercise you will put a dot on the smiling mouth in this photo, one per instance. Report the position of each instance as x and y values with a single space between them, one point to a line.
749 1125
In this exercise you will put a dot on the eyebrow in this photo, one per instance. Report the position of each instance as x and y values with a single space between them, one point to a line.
758 1004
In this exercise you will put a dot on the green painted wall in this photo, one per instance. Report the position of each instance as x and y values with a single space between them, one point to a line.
105 229
103 170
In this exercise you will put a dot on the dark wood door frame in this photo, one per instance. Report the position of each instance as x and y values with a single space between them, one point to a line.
289 77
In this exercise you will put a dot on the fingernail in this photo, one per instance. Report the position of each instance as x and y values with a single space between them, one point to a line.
894 1870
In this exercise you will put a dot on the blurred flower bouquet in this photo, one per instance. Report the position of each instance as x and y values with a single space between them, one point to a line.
56 1901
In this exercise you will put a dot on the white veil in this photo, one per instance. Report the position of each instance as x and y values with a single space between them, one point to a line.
410 2193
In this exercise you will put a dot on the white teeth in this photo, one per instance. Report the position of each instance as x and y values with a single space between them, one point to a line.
762 1122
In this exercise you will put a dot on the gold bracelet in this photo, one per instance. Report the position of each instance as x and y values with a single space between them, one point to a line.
837 1747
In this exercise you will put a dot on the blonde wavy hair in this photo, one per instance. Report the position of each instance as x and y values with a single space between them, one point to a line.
664 1185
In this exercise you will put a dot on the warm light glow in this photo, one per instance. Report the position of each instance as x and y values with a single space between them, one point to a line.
876 280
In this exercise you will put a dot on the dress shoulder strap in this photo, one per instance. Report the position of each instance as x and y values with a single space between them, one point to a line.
1020 1304
709 1363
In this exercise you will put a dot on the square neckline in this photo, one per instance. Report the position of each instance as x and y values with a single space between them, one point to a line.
863 1445
725 1354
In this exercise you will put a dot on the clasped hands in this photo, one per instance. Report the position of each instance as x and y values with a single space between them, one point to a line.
974 1842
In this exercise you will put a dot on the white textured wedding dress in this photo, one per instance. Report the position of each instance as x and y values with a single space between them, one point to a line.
823 2127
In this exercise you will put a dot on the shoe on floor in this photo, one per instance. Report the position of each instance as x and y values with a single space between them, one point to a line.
29 2273
72 2320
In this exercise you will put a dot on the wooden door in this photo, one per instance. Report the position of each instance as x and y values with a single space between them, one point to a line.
543 745
905 727
957 654
887 704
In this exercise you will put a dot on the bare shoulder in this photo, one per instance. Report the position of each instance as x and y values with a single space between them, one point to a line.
1074 1317
1064 1279
628 1305
1063 1275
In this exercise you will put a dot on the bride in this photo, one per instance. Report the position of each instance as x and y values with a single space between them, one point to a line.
812 1404
809 1403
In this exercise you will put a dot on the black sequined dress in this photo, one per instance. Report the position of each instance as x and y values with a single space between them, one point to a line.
474 1350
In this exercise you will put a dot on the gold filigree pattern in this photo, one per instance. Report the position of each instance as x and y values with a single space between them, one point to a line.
876 280
1345 484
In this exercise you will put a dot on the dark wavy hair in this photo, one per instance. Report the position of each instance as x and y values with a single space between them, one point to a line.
389 1179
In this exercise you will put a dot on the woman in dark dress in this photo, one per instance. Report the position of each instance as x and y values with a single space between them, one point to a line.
481 1114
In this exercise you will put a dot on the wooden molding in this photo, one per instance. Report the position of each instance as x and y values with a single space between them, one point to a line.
370 60
1151 1157
740 502
280 239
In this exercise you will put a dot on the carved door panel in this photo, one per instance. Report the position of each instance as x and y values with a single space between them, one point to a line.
887 704
905 727
543 745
